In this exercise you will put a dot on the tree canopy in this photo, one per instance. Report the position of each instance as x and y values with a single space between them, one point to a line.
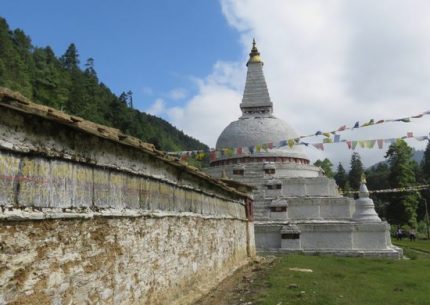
356 172
402 208
61 83
341 177
326 167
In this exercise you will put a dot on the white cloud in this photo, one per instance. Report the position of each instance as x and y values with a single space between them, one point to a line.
158 108
206 114
177 94
327 63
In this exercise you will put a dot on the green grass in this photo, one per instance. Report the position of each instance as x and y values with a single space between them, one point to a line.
348 281
419 244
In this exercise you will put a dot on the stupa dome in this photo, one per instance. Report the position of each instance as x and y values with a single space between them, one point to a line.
257 125
252 131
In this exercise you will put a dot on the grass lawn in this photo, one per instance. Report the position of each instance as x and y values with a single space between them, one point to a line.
419 245
350 281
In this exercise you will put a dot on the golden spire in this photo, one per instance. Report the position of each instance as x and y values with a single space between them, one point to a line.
254 56
363 178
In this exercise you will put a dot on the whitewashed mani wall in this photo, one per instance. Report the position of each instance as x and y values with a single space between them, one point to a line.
87 220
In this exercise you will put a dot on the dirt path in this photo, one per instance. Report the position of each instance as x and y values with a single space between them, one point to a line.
242 287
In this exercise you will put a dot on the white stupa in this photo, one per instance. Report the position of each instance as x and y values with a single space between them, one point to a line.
296 207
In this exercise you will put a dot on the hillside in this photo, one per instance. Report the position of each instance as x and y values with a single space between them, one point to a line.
60 82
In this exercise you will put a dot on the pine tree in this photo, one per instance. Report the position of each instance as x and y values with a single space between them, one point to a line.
70 59
89 68
377 179
130 99
341 177
356 172
402 206
425 164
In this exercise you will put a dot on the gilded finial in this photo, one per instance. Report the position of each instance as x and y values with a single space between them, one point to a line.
363 178
254 56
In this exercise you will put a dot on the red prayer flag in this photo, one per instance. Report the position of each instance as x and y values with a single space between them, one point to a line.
213 155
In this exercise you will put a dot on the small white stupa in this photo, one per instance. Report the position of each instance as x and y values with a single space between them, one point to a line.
364 207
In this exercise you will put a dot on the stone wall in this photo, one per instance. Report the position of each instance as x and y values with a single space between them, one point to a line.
91 216
121 260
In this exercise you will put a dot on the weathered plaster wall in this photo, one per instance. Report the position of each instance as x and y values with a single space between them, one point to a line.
88 220
143 260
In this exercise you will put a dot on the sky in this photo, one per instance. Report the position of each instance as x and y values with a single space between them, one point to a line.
327 63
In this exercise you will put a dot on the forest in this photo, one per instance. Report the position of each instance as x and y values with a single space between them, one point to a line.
61 82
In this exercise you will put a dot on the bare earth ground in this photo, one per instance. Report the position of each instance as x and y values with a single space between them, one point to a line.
241 288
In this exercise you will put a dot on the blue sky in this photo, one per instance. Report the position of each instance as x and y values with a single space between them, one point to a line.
327 63
150 47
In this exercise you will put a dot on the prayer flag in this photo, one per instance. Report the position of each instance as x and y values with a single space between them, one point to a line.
326 134
327 140
239 151
362 143
380 143
380 121
291 143
371 122
318 133
410 134
371 143
342 128
354 144
349 143
418 116
212 155
319 146
356 125
270 145
336 138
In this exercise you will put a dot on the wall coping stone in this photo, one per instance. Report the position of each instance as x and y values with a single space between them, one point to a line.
17 102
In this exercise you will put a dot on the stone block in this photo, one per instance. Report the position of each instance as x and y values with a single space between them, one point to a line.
144 194
102 194
61 184
180 202
154 195
34 183
9 168
82 184
109 189
166 195
131 193
118 190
